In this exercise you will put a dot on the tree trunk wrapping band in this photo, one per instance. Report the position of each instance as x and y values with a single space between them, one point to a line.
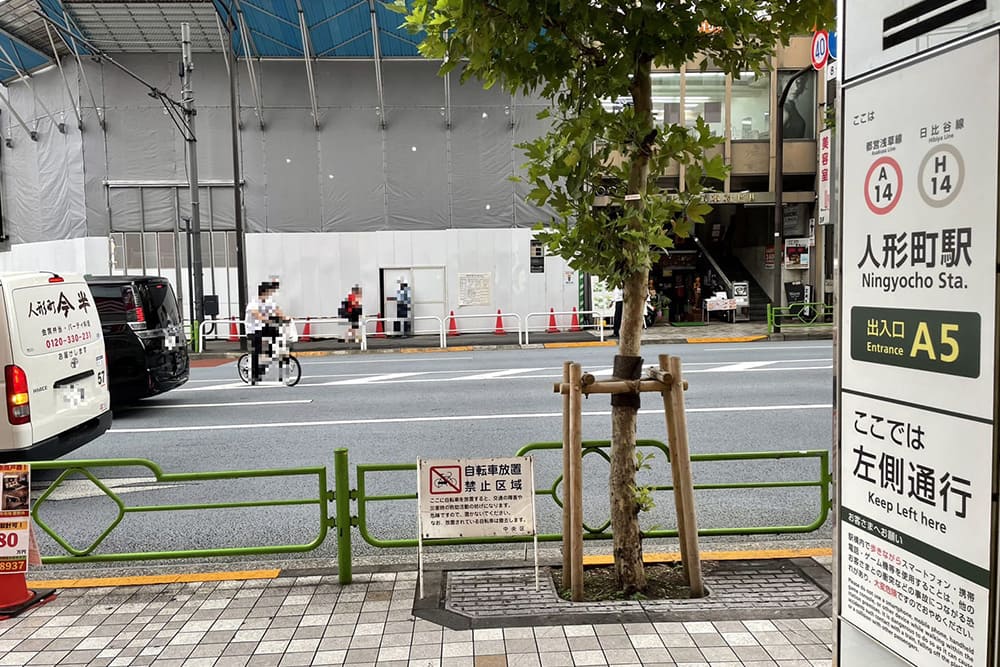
627 368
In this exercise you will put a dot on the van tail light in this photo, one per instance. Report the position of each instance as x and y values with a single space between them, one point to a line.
56 279
18 408
134 315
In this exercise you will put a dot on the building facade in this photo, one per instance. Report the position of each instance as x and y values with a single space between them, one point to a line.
345 182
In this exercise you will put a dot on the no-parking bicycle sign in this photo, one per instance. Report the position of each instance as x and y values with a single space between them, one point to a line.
476 497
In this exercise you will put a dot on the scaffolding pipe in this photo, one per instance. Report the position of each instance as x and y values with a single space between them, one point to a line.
378 63
62 73
307 57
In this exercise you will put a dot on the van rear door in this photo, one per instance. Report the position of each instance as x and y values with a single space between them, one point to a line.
56 339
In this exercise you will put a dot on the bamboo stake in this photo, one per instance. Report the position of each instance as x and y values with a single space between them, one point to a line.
680 467
567 487
576 468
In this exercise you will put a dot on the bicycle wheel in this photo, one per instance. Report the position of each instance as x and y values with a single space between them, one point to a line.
292 372
243 368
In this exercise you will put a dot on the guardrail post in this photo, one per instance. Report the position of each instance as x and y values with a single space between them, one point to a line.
770 320
342 504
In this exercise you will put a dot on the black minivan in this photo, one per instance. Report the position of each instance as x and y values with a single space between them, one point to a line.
143 335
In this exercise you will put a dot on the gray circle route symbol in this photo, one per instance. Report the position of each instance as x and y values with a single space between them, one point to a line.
942 173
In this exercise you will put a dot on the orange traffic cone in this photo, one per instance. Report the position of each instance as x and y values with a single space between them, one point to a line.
15 597
499 330
379 327
234 332
574 324
552 322
306 332
452 326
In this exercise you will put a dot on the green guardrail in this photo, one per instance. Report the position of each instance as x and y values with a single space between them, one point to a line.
600 447
342 495
87 469
799 315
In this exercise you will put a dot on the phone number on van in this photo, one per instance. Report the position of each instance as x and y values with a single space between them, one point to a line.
82 337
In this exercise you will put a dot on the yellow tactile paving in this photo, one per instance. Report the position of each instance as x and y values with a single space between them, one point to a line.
596 343
146 580
724 339
720 555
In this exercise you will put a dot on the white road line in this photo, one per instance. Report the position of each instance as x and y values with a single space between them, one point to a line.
393 360
410 420
499 374
371 379
739 347
236 404
739 366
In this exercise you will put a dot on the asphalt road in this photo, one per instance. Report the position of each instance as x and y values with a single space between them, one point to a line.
396 408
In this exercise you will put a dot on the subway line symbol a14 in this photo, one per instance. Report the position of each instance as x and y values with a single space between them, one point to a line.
883 185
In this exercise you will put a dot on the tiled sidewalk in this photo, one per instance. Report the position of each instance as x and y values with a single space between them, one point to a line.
315 621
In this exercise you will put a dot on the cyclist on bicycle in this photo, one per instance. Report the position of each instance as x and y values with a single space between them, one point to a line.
263 316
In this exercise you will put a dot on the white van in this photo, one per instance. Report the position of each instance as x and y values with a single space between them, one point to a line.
55 378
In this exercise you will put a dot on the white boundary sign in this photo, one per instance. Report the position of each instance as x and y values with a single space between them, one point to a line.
458 498
918 368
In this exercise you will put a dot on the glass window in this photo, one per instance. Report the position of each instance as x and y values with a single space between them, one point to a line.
666 88
149 252
705 96
167 251
751 107
117 251
133 251
800 107
219 250
206 250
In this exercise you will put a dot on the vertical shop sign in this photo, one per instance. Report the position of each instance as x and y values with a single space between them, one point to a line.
824 175
918 368
15 500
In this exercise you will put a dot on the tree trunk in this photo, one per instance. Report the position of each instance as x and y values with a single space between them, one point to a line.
624 509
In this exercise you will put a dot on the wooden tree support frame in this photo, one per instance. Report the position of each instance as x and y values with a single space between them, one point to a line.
667 381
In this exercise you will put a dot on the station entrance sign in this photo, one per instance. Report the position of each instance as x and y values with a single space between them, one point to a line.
918 378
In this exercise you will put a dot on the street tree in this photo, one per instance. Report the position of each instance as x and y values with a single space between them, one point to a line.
592 60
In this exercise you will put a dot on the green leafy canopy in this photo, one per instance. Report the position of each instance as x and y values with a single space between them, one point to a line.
580 53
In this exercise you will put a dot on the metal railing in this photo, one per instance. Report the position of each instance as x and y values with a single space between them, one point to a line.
87 467
599 447
800 315
341 497
365 335
485 316
594 314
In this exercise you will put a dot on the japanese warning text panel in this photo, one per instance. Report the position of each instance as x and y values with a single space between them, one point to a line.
918 379
476 497
15 500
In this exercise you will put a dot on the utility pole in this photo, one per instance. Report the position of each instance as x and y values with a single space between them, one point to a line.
779 190
187 102
241 261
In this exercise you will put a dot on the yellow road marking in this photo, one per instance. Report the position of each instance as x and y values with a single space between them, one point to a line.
596 343
146 580
457 348
719 555
722 339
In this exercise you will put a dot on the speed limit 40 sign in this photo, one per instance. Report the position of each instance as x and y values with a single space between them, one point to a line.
820 52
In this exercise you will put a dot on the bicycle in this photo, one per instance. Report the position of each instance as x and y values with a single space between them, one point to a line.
289 368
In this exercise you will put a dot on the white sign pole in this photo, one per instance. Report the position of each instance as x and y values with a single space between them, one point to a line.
420 528
534 516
